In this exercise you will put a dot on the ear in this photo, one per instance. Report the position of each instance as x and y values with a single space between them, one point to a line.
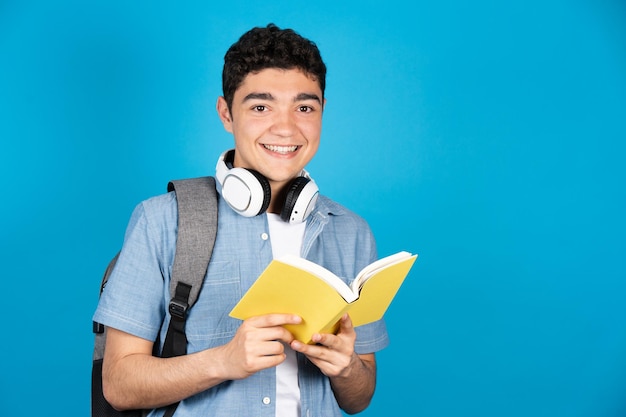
224 114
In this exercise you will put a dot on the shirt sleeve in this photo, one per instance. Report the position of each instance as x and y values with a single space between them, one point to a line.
133 298
370 337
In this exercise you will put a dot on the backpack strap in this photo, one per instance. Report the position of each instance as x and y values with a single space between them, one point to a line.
197 229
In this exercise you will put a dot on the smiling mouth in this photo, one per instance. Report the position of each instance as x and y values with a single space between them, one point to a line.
283 150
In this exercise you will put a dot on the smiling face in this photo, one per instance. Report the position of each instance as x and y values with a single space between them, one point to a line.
276 121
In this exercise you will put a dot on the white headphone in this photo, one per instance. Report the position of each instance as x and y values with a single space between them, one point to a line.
248 192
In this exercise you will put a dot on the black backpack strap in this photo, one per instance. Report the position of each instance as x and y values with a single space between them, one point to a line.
197 229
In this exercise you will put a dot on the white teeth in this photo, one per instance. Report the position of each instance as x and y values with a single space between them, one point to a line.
281 149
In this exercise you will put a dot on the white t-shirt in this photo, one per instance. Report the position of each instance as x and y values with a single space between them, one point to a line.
286 239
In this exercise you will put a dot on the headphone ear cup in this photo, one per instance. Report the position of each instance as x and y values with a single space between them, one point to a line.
267 191
246 191
299 200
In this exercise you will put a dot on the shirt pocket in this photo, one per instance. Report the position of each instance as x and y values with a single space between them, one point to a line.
208 323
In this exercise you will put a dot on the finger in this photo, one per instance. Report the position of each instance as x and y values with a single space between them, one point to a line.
321 347
345 324
283 335
253 332
257 363
327 360
271 320
328 340
271 348
312 351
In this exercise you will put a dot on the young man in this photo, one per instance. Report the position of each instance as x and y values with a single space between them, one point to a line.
273 82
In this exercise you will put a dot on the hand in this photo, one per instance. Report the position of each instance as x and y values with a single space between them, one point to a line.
257 345
333 354
352 376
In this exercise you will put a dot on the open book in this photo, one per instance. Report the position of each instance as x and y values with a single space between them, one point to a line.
297 286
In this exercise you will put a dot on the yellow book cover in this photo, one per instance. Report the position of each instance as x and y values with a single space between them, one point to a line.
297 286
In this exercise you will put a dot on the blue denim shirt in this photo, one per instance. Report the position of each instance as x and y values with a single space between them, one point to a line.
137 294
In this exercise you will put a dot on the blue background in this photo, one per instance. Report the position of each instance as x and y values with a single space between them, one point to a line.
487 136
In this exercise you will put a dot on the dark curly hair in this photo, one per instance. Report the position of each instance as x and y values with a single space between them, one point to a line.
270 47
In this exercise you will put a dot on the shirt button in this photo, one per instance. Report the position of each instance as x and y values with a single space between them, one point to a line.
264 236
266 400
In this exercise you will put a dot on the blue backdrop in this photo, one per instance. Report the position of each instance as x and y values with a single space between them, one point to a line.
487 136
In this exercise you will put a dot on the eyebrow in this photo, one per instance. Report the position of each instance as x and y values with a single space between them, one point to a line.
270 97
258 96
308 96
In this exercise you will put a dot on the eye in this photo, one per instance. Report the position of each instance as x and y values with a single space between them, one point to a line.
305 109
259 108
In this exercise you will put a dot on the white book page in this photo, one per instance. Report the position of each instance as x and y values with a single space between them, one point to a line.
374 267
322 273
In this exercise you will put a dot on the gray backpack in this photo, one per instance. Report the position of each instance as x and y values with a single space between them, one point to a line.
196 199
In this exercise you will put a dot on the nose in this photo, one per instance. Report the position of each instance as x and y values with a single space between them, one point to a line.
283 123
